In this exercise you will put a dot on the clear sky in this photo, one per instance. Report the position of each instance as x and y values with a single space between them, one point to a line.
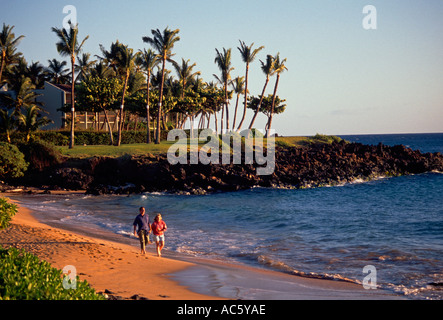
342 78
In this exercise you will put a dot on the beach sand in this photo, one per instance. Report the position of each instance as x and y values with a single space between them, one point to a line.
121 270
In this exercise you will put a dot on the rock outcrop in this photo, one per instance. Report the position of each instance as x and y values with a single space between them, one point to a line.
301 167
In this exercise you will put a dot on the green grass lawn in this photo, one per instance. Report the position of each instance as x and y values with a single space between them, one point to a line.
81 151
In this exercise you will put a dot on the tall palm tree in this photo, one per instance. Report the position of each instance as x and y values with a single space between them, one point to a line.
8 44
57 72
238 85
163 42
148 60
279 68
69 46
223 61
185 76
268 69
248 56
125 61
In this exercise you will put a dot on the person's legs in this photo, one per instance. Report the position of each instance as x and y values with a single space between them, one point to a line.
142 238
160 243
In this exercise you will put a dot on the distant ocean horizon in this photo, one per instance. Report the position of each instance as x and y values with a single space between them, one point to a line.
393 224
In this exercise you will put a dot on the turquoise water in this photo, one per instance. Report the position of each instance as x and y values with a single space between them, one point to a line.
393 224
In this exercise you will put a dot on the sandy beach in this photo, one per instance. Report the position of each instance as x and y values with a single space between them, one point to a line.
122 271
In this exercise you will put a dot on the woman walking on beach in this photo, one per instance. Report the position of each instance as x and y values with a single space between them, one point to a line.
158 228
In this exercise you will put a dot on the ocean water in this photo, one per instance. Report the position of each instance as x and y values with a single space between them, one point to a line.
392 224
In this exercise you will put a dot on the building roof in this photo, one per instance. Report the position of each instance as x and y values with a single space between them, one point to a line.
64 87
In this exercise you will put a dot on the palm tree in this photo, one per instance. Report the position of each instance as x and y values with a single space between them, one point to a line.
35 71
23 95
8 44
84 66
31 120
7 123
57 72
125 61
101 70
148 60
223 61
238 84
69 46
185 73
268 69
185 76
248 56
279 68
163 43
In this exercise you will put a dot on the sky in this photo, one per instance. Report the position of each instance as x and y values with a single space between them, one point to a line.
342 78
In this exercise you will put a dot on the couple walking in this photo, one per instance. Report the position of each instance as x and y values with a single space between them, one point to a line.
158 227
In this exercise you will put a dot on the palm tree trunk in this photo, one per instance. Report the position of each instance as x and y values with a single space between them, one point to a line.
120 125
268 129
221 120
148 116
111 138
235 112
227 108
216 124
159 114
246 98
71 141
3 65
259 104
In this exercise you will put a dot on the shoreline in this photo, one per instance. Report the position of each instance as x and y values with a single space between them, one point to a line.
113 268
118 268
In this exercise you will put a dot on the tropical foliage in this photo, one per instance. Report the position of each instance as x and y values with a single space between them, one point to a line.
26 277
125 89
12 161
7 211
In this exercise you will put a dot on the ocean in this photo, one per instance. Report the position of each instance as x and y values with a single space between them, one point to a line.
394 225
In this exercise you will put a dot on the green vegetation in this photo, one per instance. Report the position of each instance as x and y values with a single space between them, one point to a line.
88 151
306 141
126 89
112 151
12 161
24 276
40 154
7 211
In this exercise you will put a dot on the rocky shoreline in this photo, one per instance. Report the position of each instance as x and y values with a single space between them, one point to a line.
295 167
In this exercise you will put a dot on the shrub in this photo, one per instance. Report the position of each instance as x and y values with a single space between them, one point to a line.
40 154
12 161
7 211
24 276
54 137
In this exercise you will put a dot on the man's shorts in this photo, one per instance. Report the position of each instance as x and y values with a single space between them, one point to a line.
160 238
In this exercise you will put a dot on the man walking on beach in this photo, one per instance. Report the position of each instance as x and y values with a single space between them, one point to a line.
144 229
158 229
